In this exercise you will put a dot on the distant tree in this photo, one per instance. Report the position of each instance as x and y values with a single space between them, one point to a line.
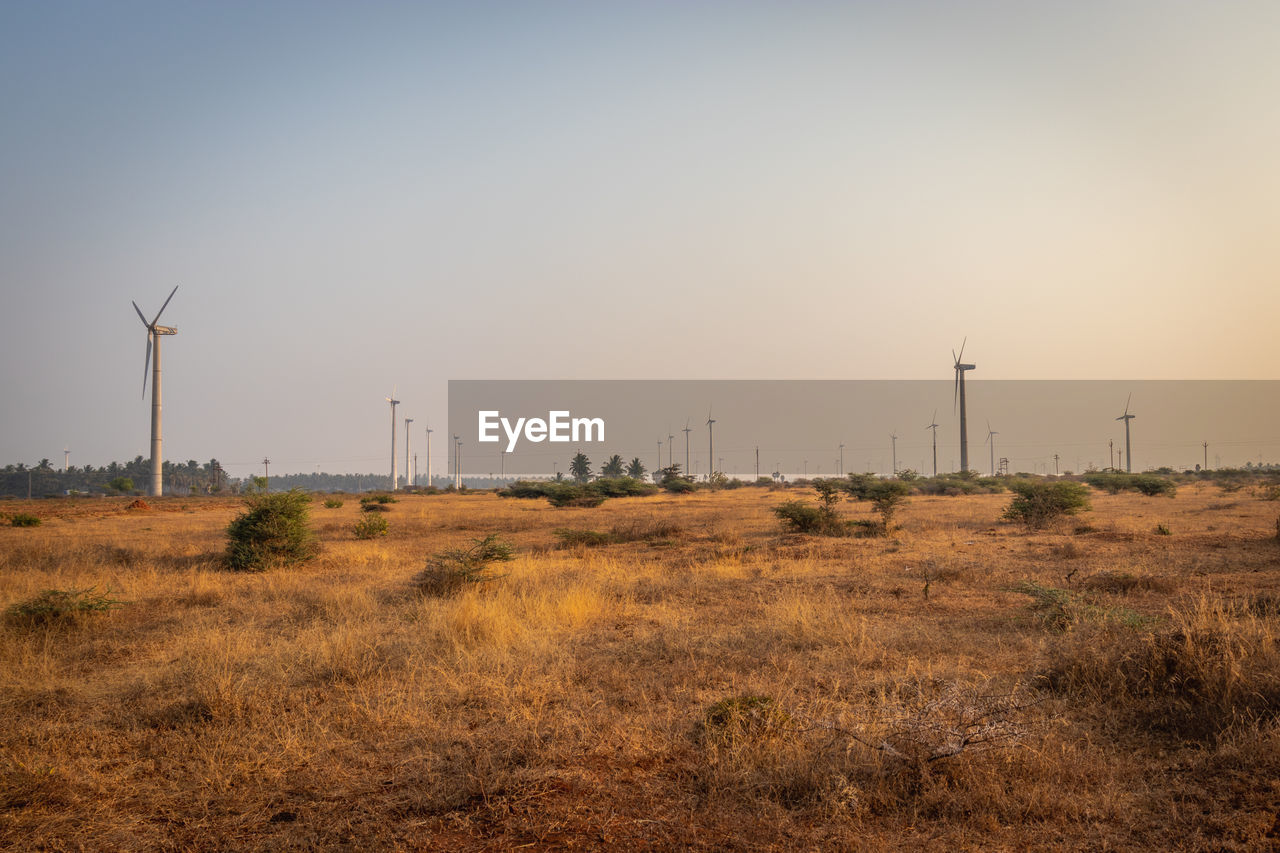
636 469
44 465
580 467
613 468
121 484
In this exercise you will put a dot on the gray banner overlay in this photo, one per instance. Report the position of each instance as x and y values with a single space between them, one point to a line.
797 427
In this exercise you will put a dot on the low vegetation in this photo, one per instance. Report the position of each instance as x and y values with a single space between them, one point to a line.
274 531
370 526
1038 502
680 672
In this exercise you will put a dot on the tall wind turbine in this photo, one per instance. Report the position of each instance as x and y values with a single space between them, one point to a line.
429 431
1126 417
395 471
991 439
711 443
408 472
154 333
671 445
934 426
893 437
686 432
960 369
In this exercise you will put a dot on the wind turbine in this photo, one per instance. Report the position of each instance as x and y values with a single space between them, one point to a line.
429 431
671 444
934 426
893 437
960 368
711 443
686 432
408 472
395 471
154 333
1126 417
991 434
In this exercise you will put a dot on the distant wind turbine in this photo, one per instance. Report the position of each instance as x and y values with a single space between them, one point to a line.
408 472
934 426
991 439
686 432
154 333
671 445
711 443
960 369
1126 417
395 471
893 438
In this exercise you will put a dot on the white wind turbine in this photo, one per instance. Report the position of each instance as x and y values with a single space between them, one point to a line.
154 333
395 472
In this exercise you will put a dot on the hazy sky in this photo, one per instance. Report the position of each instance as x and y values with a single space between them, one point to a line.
360 196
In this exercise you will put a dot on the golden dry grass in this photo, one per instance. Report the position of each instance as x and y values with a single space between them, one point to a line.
566 704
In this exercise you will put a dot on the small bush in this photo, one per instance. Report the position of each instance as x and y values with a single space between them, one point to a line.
22 519
1162 529
333 503
59 606
581 538
370 526
887 496
374 507
807 518
1037 502
449 571
274 531
377 500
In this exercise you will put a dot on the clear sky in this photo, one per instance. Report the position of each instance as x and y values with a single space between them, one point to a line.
361 196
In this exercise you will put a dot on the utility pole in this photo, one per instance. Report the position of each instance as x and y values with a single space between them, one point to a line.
757 462
1206 456
671 447
266 473
659 454
841 459
1055 464
1111 447
408 475
502 464
687 429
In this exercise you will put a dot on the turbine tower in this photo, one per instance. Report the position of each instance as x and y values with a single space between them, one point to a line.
686 432
934 426
671 446
1126 417
893 437
991 434
408 472
395 472
154 333
429 431
711 444
960 369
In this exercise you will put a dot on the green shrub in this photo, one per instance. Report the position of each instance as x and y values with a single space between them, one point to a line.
1114 482
1162 529
22 519
275 530
888 496
1037 502
572 494
582 538
333 503
377 500
59 606
370 526
808 518
121 484
449 571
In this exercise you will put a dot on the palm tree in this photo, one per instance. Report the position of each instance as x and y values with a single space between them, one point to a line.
613 468
636 469
580 467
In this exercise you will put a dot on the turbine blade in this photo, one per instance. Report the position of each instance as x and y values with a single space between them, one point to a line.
965 341
146 366
1126 403
140 317
165 305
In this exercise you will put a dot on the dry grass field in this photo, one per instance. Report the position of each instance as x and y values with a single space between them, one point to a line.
704 682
